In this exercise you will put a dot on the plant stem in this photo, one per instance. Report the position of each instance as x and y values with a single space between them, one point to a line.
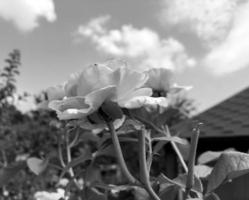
62 162
69 159
119 154
177 151
150 152
145 177
191 163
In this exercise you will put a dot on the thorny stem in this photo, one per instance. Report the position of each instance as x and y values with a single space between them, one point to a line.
176 149
145 177
119 154
191 163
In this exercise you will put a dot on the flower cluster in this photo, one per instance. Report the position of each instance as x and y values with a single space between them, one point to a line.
100 91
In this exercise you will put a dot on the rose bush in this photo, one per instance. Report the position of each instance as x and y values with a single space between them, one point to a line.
128 107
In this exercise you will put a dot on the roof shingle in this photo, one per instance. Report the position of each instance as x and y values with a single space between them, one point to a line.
229 118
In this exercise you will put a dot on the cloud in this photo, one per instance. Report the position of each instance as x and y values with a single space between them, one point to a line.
26 13
143 46
222 27
210 20
232 54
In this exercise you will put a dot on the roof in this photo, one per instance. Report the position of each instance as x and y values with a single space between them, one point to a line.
229 118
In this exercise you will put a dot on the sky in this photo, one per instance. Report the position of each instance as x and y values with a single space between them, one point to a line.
204 42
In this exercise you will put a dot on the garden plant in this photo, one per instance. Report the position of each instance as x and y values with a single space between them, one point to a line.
108 124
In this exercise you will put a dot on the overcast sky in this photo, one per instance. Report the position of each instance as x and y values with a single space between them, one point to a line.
205 42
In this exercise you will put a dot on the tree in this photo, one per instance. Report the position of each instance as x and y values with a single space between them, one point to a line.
8 76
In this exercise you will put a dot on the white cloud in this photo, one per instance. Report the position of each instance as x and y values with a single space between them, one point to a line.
25 13
143 46
232 54
222 27
210 20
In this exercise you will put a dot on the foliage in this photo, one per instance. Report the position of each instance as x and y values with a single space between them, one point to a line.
8 76
113 123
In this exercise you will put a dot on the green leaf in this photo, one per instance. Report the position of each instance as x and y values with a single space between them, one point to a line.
37 165
184 149
202 171
171 139
210 156
229 166
7 173
140 194
169 193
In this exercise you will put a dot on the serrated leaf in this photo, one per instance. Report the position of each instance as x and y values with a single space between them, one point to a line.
229 166
37 165
210 156
202 171
7 173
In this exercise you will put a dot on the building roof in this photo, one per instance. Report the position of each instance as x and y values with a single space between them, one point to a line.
229 118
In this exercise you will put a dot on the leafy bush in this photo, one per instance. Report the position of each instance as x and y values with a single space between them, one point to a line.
113 122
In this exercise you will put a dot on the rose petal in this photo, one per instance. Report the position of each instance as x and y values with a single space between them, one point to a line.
114 64
93 78
55 92
134 94
159 79
71 85
145 101
69 103
96 98
71 114
128 80
71 108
